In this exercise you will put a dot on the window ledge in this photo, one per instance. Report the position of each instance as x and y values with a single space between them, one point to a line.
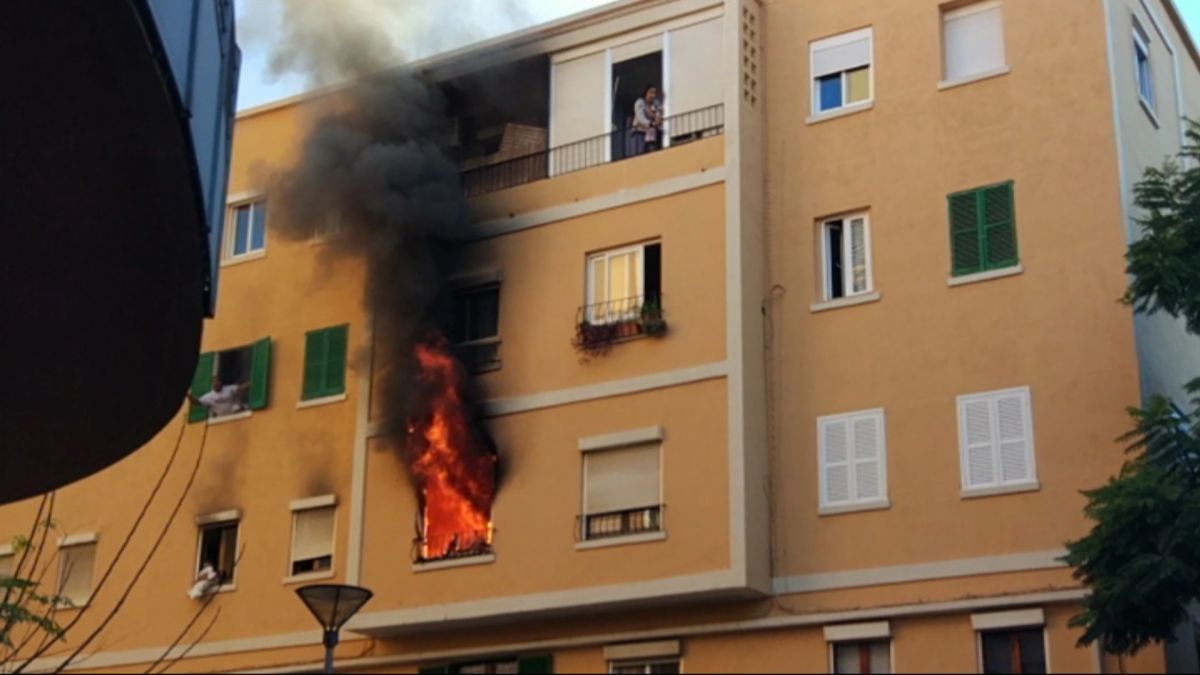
451 564
977 77
985 276
225 419
310 576
229 262
975 493
324 400
630 540
839 509
1149 112
844 111
849 301
66 607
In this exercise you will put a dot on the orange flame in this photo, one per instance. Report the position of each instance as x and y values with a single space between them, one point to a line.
455 471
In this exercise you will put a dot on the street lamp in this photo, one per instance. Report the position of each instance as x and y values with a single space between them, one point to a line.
333 605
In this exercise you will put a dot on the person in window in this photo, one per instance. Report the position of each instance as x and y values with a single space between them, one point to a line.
207 581
647 121
224 399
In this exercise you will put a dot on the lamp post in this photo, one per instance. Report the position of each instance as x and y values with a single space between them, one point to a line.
333 605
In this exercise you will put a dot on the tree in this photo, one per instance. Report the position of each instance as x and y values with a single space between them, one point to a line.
1141 560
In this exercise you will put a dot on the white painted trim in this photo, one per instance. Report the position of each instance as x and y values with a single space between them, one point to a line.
498 407
638 35
872 505
605 202
643 650
844 111
324 400
1149 112
1180 110
858 632
310 503
621 439
78 539
968 10
311 576
847 243
977 77
928 571
227 516
985 276
1014 618
848 301
1012 488
631 540
248 257
472 561
225 419
6 550
358 479
244 197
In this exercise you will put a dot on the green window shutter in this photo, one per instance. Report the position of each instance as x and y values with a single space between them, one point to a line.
201 385
337 341
260 374
965 242
999 226
536 665
315 345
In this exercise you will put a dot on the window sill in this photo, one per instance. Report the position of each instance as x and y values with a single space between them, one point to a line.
844 111
985 276
451 564
850 301
309 576
839 509
225 419
1149 109
324 400
65 607
630 540
976 493
977 77
249 257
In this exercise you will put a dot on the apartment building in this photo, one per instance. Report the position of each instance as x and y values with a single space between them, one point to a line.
813 385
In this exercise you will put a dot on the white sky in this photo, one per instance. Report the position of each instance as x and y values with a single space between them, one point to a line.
258 27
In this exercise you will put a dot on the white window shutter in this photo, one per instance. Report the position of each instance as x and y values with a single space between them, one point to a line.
623 479
1012 424
979 468
835 461
974 40
842 52
314 534
75 573
868 457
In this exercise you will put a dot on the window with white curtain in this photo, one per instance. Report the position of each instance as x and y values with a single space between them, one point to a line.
841 71
973 40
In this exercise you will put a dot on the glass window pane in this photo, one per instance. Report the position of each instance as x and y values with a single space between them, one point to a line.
833 262
258 238
618 281
1033 651
998 652
846 658
598 293
666 668
858 255
241 229
829 92
881 657
484 314
858 85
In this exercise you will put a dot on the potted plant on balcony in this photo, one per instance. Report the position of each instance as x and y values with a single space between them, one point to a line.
594 339
653 323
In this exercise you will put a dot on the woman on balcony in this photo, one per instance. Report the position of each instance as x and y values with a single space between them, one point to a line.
647 122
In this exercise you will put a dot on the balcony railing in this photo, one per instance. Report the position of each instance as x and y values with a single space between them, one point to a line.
433 548
600 325
620 523
611 147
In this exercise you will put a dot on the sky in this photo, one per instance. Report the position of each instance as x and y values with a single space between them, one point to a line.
258 26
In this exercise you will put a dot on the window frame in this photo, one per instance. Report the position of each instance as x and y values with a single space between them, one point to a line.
75 543
585 514
883 501
847 245
814 81
999 485
1141 49
221 521
981 230
645 664
590 285
867 642
954 12
308 506
981 667
461 294
228 254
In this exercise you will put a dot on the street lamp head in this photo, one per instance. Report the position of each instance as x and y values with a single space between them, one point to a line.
333 604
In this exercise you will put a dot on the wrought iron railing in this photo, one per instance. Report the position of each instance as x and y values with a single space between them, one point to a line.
626 523
621 143
452 546
600 325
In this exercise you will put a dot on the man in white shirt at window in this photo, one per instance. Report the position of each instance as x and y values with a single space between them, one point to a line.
224 399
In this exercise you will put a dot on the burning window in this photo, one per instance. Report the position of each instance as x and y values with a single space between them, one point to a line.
453 463
622 492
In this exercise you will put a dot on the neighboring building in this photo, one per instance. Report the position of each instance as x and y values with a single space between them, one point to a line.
887 241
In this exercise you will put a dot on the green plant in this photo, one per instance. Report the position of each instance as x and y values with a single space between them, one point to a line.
653 323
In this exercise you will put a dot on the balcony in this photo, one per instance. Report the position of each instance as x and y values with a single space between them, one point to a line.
600 325
443 547
632 522
603 149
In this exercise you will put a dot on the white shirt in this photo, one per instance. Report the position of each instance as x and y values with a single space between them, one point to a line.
223 402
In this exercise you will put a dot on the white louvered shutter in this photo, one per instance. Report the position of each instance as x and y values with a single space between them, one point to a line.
1013 427
835 461
979 464
868 456
974 40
